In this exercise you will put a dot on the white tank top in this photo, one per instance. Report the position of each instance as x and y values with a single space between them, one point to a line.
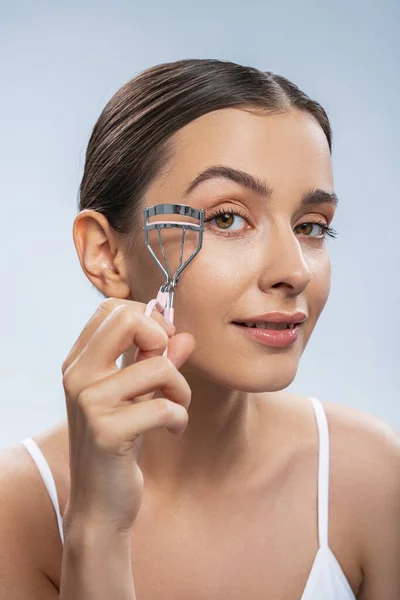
326 580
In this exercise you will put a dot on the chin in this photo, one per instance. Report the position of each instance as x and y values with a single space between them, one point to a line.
256 385
248 376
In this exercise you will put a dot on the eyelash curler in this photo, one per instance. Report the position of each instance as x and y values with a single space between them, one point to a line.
164 302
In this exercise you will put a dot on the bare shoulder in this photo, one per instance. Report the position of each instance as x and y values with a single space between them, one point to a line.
370 445
364 455
27 520
366 449
365 459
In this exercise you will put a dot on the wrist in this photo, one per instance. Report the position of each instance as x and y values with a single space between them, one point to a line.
81 532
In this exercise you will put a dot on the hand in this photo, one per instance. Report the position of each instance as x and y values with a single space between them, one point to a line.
110 408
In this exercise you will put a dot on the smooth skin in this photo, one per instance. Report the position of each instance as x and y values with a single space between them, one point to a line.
227 507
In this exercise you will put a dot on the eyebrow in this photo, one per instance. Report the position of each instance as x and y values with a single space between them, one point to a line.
256 185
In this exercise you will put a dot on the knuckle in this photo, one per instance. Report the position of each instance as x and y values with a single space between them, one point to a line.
112 304
156 326
165 367
109 304
160 329
65 373
68 368
164 408
68 378
128 317
64 366
84 401
188 393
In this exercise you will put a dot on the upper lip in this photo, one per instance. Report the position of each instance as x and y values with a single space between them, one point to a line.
276 317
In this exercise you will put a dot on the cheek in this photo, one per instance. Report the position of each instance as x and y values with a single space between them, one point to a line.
210 287
319 287
226 273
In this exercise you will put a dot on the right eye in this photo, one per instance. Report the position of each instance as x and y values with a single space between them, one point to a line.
225 218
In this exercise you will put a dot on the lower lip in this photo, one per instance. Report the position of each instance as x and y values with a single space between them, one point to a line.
272 337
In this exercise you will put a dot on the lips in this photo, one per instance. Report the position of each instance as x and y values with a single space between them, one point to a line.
267 337
273 320
269 325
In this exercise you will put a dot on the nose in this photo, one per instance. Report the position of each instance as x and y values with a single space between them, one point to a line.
284 261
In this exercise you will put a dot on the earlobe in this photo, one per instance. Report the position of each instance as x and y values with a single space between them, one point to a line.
112 283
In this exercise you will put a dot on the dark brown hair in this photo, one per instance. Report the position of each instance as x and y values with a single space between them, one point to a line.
131 140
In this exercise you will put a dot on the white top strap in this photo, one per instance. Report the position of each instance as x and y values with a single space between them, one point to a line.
323 472
47 477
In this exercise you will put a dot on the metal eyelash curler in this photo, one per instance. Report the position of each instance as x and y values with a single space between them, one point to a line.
164 302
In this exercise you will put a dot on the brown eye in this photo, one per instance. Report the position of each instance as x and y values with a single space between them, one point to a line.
306 228
224 221
227 221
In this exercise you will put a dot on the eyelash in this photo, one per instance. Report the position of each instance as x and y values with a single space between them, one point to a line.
329 231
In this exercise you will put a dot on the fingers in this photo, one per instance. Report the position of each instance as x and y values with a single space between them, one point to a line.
107 309
180 347
116 394
109 408
116 432
141 378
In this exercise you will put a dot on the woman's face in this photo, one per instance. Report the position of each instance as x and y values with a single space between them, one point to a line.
263 257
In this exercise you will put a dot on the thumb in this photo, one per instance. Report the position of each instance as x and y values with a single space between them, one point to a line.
180 347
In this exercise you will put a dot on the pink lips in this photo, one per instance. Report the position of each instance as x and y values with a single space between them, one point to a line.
276 317
272 337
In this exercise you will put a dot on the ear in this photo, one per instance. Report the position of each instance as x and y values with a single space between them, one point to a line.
99 254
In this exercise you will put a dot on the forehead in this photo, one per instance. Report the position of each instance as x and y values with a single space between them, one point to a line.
288 149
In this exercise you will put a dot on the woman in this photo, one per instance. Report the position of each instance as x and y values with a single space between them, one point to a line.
198 475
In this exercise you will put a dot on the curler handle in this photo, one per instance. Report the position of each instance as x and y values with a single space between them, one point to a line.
159 303
169 314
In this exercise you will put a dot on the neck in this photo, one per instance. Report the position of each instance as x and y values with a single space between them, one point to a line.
219 441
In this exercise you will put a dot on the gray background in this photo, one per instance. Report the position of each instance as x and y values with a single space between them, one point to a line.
61 62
